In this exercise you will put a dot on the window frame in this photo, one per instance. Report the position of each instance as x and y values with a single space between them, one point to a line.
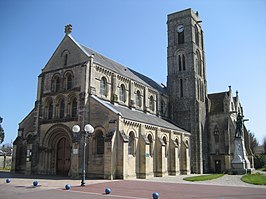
150 139
197 39
74 107
62 109
131 143
50 112
103 86
184 62
138 99
69 81
99 143
181 37
152 103
122 93
55 83
165 145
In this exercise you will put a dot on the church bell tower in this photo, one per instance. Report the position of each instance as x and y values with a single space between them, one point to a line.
186 81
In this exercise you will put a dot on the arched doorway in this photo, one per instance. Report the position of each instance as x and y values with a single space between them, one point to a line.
55 156
63 157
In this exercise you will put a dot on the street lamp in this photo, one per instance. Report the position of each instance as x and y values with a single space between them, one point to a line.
88 131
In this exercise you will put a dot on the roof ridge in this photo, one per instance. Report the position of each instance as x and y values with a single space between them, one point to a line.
224 92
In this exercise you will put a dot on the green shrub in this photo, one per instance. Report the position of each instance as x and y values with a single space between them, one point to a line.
260 161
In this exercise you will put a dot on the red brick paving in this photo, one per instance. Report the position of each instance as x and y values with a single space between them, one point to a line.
22 188
143 189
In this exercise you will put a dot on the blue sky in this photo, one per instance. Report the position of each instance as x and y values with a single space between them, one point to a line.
133 33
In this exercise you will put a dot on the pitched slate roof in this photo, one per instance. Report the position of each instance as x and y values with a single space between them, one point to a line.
123 70
150 82
142 117
217 101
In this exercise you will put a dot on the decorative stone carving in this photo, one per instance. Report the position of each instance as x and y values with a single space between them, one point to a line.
68 29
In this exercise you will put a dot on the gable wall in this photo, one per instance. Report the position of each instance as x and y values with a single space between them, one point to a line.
75 55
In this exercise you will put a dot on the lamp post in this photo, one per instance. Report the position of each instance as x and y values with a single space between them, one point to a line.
88 131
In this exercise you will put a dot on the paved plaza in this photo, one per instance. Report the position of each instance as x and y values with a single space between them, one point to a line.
170 187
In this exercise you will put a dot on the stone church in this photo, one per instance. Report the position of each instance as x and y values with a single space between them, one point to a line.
141 128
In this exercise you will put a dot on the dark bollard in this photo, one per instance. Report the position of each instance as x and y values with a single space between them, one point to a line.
67 186
107 190
155 195
35 183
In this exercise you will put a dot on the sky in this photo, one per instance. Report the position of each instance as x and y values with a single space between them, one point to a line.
134 34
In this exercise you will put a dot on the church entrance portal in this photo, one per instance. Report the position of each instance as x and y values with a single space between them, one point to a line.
63 157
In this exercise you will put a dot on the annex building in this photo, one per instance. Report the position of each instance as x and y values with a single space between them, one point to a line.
142 129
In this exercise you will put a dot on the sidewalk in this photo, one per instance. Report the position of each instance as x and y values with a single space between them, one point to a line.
44 181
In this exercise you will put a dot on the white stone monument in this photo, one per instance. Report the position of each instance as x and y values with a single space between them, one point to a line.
240 162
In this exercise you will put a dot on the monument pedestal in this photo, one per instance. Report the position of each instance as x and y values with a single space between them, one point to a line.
240 163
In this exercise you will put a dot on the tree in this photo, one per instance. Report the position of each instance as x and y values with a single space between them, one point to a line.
264 145
2 134
7 148
253 141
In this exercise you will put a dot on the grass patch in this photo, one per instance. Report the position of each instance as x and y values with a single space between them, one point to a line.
203 177
257 179
7 169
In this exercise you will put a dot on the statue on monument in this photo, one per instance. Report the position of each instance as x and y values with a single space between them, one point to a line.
239 126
